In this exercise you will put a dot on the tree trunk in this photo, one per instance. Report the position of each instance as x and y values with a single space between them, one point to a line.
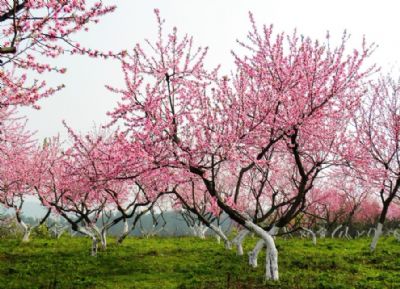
396 235
27 231
346 233
94 246
57 231
253 255
286 233
125 232
92 232
103 239
335 231
313 235
194 230
271 264
359 234
382 218
322 232
221 235
378 233
238 240
201 231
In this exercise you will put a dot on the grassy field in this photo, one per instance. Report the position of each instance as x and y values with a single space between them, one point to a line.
193 263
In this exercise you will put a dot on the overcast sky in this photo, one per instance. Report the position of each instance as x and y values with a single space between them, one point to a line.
213 23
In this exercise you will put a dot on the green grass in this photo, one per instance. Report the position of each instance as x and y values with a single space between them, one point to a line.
192 263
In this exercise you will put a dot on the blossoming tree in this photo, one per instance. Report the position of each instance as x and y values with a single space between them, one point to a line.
378 135
288 99
17 163
33 31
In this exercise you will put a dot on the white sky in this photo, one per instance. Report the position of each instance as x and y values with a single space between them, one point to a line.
213 23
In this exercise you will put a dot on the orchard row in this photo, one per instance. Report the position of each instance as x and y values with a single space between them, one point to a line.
302 134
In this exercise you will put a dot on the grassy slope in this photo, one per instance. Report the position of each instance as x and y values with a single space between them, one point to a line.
193 263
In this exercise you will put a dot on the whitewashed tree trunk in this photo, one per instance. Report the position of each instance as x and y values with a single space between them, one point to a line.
201 231
57 231
60 232
271 264
396 235
346 233
27 231
286 234
370 231
284 229
198 232
125 232
359 234
313 235
389 232
221 235
322 233
253 255
378 233
99 236
94 246
194 230
27 234
92 232
238 240
103 239
239 249
335 231
152 231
